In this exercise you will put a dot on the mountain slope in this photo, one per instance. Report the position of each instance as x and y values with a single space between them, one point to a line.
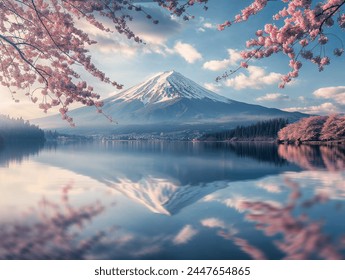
168 98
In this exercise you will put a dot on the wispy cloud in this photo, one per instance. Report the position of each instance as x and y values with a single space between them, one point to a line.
273 97
209 25
335 94
257 78
217 65
322 109
333 101
204 24
187 51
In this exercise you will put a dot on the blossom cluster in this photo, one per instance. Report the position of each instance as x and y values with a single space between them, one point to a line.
298 31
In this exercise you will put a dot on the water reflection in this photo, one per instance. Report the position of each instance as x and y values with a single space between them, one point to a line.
314 157
302 237
266 152
168 176
222 202
51 230
17 152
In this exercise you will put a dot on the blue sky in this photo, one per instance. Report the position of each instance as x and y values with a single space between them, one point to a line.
199 51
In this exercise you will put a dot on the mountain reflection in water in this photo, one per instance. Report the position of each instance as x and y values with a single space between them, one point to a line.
224 201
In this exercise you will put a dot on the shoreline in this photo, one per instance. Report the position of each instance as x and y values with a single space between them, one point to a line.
319 143
75 138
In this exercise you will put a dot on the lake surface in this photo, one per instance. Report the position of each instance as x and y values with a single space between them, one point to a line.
172 200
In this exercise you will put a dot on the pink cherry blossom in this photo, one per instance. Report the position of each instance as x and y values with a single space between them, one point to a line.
299 30
317 128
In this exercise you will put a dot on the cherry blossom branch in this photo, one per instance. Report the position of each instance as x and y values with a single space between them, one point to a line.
300 25
37 69
337 7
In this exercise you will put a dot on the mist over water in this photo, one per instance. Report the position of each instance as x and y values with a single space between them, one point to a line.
172 200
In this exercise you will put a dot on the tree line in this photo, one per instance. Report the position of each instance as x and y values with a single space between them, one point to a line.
19 130
261 130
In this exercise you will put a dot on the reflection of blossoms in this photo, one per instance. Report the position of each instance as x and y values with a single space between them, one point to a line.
302 238
55 232
332 157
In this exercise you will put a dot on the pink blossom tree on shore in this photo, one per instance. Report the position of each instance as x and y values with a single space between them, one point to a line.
316 128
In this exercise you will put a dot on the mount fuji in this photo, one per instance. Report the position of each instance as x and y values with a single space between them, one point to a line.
167 101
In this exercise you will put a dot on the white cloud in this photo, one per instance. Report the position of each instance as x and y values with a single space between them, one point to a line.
209 25
108 45
187 51
203 25
322 109
336 94
212 87
334 101
273 97
185 235
302 98
213 223
216 65
257 78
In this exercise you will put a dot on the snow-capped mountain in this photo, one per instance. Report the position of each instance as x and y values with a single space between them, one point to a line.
166 87
167 99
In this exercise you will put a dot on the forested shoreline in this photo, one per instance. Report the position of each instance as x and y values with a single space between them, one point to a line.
17 130
260 131
310 130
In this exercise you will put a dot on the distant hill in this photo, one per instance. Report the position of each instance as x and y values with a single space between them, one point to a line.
17 130
167 101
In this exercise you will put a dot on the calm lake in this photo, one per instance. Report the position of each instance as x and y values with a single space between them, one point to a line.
172 200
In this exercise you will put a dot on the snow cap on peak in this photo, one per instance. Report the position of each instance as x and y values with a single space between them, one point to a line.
167 86
166 74
171 72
